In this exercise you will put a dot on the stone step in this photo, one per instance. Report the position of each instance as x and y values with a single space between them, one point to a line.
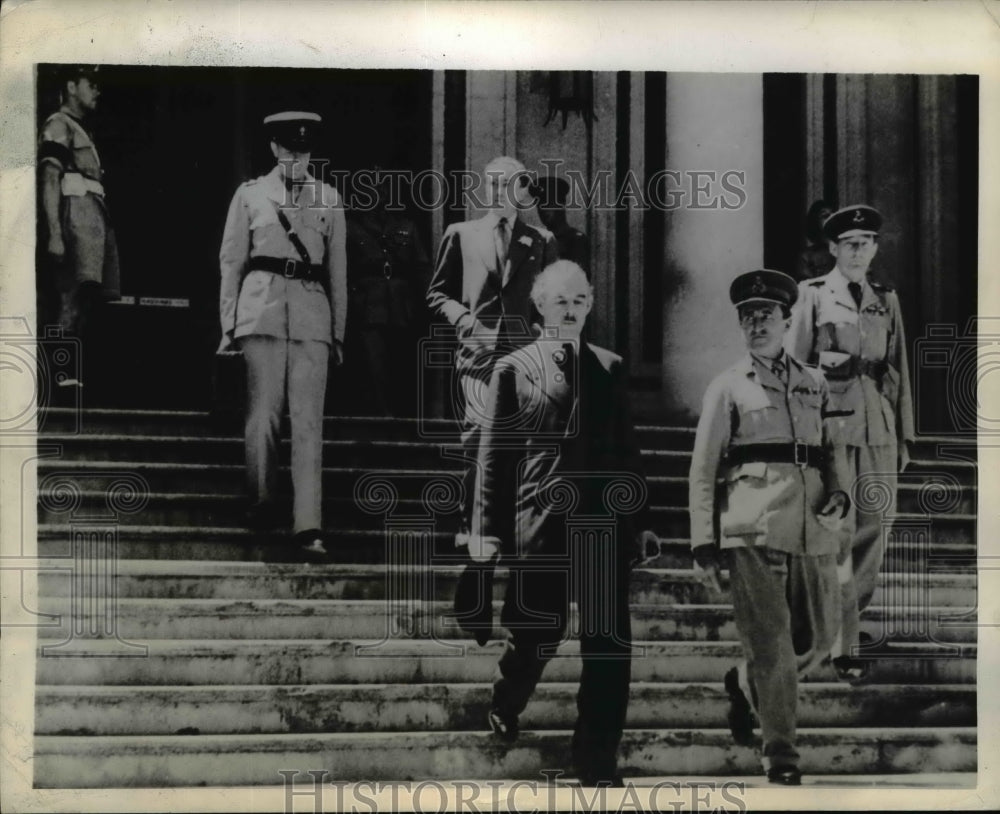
221 760
392 661
366 452
177 579
405 618
204 710
148 542
63 421
203 510
230 479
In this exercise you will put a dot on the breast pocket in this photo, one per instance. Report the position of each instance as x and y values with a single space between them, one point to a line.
806 404
758 417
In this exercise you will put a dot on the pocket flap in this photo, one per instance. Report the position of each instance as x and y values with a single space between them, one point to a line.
752 469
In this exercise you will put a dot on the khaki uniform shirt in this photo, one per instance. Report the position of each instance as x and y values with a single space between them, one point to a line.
262 303
758 503
862 352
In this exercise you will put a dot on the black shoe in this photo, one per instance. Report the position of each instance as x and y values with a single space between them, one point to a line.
784 775
309 546
741 718
851 670
503 726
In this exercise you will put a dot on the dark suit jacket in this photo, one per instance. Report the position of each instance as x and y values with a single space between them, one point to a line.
543 458
467 283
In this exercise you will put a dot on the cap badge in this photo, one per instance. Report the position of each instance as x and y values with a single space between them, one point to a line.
858 217
758 286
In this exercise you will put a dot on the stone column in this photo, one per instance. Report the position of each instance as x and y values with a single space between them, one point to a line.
714 124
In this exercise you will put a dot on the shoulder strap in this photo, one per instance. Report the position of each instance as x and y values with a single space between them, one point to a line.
293 236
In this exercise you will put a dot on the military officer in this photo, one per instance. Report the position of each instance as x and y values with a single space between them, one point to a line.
78 255
777 518
388 272
283 301
851 326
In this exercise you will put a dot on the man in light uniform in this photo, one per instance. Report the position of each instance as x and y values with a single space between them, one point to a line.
78 255
852 327
776 519
283 301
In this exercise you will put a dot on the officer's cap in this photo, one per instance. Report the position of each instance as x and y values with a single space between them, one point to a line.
764 285
550 191
293 129
74 73
852 221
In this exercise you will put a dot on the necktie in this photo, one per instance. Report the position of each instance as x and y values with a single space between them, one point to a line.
855 289
502 244
779 369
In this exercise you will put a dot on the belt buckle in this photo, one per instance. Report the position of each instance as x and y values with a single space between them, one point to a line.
289 272
801 461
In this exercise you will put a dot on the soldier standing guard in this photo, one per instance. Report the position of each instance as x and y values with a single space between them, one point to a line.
283 301
851 326
78 255
777 518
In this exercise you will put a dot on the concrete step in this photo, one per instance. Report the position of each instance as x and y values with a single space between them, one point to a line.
375 452
204 710
230 479
391 661
219 760
408 618
234 543
177 579
202 510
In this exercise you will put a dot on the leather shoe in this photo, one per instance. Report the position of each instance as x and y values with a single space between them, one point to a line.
850 669
309 545
784 775
741 718
503 726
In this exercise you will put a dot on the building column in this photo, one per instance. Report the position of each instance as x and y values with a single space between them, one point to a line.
715 123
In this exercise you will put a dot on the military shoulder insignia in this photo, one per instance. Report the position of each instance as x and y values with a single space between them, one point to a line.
880 286
819 283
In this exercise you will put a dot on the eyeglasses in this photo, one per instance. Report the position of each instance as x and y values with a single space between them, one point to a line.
767 316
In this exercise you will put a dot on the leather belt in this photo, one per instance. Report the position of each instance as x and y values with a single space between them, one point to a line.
801 455
287 267
857 367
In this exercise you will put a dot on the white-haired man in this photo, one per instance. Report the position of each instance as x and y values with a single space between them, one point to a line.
556 442
481 285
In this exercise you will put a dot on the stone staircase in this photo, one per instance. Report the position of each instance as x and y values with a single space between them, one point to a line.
173 656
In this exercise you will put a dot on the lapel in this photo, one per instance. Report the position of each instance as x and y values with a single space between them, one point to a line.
521 243
274 188
797 377
868 295
764 375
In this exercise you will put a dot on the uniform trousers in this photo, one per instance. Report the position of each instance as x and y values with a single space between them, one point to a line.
787 615
91 258
876 466
276 367
535 612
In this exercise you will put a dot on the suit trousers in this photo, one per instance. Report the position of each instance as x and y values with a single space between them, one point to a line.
277 367
535 612
474 406
787 615
876 467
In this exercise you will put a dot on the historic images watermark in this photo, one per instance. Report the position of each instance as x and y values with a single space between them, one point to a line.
315 790
428 190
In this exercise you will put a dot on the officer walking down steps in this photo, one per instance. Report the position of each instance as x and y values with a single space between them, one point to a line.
283 301
776 518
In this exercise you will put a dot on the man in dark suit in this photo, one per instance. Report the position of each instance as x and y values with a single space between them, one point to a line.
558 478
481 285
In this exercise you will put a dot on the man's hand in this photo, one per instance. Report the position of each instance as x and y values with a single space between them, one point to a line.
337 353
647 547
706 560
56 248
483 549
474 335
227 345
831 516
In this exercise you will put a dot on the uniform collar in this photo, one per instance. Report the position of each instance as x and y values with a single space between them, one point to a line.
839 282
277 191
